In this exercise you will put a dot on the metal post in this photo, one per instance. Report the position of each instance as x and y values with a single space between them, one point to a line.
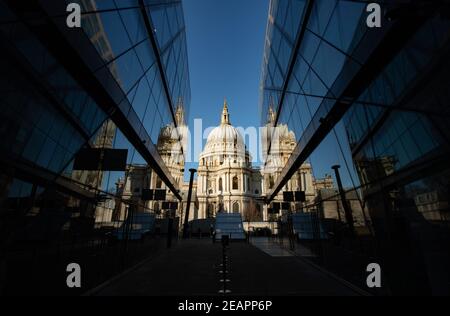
188 206
169 231
346 206
224 272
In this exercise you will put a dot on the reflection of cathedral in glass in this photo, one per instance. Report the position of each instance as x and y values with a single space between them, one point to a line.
227 181
283 142
171 145
172 141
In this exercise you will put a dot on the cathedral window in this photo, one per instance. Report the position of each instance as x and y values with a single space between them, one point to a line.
235 183
271 182
158 183
220 184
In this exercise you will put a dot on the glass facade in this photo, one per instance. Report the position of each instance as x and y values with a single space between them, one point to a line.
118 82
387 128
328 38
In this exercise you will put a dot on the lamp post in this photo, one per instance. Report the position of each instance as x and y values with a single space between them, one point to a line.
188 206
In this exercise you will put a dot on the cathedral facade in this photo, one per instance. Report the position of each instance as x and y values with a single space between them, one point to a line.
226 179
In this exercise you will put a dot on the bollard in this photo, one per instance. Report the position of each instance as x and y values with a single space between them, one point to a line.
224 271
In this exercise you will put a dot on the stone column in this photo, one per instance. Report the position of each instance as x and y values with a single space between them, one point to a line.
203 183
309 182
225 182
303 181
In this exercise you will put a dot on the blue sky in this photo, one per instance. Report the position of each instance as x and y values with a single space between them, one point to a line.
225 46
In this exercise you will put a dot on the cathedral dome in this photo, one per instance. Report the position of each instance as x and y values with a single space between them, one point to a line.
225 140
224 134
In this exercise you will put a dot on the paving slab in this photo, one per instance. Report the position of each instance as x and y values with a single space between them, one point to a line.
192 268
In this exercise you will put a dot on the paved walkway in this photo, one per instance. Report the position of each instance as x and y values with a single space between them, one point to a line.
270 247
192 268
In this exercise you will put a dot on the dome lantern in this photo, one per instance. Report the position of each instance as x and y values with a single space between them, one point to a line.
225 114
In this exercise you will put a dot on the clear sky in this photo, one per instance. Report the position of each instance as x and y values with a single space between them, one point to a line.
225 42
225 47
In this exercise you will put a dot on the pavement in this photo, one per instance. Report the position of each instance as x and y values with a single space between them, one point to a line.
191 268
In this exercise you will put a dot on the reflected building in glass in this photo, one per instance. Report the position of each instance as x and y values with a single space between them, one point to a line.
381 96
171 142
106 90
282 141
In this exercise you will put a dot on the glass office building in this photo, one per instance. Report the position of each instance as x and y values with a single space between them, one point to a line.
380 97
113 85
